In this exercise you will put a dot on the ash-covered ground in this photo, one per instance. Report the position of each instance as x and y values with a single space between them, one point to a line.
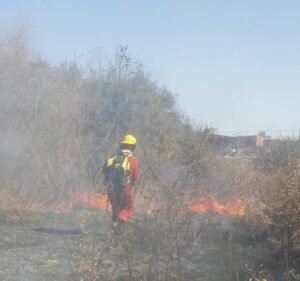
42 245
81 246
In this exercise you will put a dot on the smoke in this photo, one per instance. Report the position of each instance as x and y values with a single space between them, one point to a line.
38 121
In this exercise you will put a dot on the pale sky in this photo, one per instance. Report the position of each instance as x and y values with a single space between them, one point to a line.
234 65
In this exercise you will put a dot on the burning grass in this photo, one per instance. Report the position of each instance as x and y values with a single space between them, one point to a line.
234 207
208 204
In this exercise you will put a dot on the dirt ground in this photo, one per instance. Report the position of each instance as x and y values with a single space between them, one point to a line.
43 245
80 246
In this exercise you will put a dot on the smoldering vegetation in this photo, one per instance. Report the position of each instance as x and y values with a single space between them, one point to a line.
57 125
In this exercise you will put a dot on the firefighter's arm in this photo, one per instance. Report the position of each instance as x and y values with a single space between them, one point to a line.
105 170
135 171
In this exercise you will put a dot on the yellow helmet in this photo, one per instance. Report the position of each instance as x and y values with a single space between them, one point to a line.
129 139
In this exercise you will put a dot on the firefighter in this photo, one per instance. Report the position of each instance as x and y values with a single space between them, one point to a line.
121 173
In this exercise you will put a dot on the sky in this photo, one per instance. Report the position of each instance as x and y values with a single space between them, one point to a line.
233 65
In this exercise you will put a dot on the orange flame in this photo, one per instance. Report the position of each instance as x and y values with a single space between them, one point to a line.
208 204
95 201
87 199
205 204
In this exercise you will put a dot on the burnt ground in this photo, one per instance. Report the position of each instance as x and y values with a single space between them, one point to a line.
81 246
42 246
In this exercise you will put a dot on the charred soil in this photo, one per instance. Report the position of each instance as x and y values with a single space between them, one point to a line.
80 245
